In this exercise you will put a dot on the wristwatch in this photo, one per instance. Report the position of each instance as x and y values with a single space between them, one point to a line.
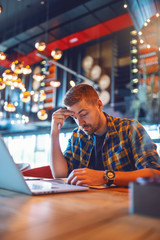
109 175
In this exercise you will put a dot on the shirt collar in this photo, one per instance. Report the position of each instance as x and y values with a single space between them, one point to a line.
111 130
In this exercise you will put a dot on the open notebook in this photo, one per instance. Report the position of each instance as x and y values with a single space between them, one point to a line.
12 179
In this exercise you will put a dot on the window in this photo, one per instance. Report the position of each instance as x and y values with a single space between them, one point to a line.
33 149
154 133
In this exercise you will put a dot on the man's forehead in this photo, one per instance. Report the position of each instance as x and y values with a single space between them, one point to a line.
77 110
81 104
79 107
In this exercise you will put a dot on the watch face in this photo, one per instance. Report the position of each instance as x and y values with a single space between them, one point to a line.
110 174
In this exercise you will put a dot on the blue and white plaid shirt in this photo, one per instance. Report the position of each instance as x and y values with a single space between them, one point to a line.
126 147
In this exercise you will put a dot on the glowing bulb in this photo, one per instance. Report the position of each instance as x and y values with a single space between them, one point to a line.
135 70
17 83
72 83
27 70
38 77
9 107
133 41
42 96
9 77
40 46
2 56
135 80
25 96
17 67
134 50
22 87
55 83
16 104
1 9
35 97
133 32
56 54
26 119
42 114
134 60
135 90
2 84
145 24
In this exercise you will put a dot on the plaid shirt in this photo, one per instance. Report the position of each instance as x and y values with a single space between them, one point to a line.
126 147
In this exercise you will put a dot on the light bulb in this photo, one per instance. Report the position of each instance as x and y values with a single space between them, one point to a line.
2 56
40 46
9 107
55 83
25 96
42 114
56 54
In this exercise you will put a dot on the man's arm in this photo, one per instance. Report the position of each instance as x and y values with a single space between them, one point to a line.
124 178
144 151
86 176
58 162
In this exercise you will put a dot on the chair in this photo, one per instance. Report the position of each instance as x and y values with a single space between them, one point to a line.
41 172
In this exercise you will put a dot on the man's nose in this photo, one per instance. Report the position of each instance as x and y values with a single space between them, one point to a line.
80 122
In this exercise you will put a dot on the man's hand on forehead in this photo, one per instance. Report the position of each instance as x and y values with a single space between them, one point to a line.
67 112
58 118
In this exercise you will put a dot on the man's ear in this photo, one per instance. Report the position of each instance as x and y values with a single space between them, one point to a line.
100 104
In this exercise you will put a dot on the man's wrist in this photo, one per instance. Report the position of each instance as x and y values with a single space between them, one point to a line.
109 177
54 133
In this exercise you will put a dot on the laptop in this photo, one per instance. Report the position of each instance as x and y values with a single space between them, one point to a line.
12 179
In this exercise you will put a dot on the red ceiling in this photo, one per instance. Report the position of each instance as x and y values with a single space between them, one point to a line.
78 38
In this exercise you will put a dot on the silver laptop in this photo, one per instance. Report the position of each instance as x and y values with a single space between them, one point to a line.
12 179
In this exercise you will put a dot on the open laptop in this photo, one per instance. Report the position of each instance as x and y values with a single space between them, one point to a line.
12 179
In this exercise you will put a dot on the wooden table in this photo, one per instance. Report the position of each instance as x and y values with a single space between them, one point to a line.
92 215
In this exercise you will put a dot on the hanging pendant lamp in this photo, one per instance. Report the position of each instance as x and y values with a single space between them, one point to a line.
2 56
56 53
40 46
42 114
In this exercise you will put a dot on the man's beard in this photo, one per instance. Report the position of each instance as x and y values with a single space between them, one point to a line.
90 129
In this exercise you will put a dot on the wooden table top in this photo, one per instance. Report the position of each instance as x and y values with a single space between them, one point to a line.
92 215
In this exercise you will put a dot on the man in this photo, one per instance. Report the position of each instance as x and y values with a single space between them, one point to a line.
103 149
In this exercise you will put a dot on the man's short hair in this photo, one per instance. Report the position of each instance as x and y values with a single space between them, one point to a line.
79 92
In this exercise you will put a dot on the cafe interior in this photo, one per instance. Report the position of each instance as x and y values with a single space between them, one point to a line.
47 47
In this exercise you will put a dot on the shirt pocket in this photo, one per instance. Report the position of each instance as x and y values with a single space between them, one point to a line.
118 159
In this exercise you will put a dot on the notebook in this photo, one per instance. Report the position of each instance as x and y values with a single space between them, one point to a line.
12 179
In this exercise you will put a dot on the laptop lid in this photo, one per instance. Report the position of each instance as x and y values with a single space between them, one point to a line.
12 179
10 176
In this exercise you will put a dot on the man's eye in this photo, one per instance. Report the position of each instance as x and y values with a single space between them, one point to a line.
83 115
